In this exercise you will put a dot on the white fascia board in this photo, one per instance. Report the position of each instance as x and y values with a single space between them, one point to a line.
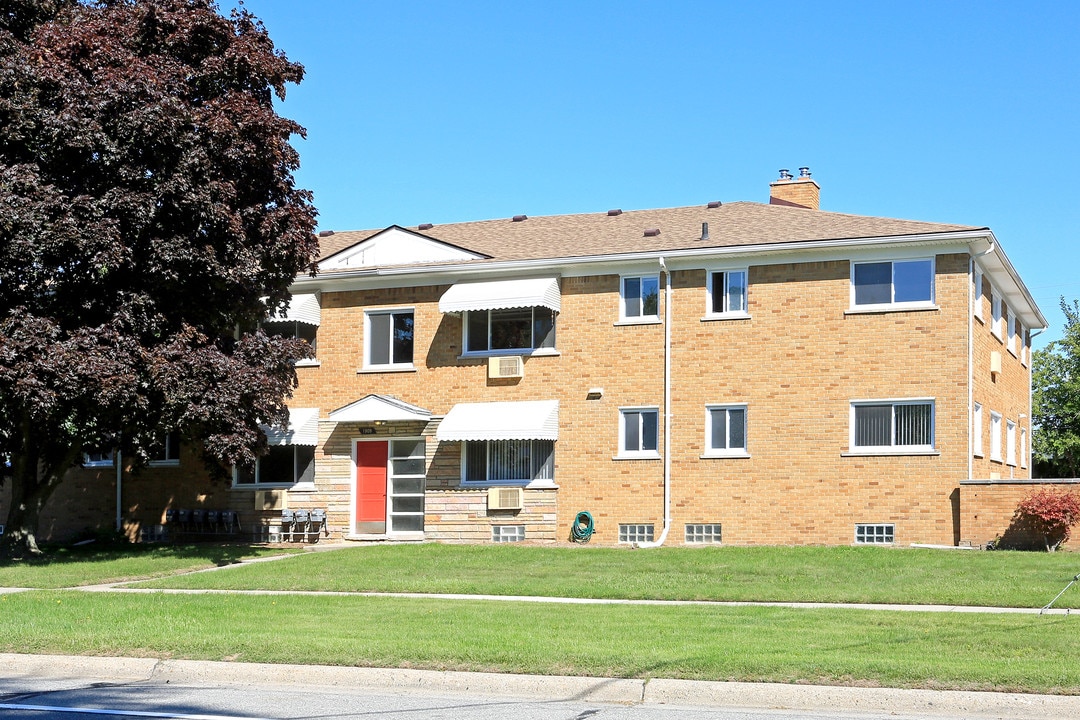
1007 281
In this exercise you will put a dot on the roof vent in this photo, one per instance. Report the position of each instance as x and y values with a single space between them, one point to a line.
785 174
713 205
425 226
704 231
326 233
804 172
652 232
613 213
520 218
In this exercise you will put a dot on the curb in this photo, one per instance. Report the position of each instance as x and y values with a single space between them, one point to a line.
1015 706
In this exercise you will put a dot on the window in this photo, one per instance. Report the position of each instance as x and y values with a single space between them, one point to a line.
282 465
507 533
702 533
1022 342
514 329
638 431
97 457
882 534
1010 442
995 436
292 329
168 452
513 461
900 425
977 290
895 283
995 310
1010 328
725 430
638 533
1023 447
726 293
407 484
641 298
389 339
976 430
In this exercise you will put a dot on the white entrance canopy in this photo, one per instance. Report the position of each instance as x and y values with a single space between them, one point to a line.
302 309
527 420
379 408
303 428
502 295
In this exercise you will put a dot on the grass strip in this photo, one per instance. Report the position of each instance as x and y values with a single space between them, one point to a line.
1021 653
794 574
93 565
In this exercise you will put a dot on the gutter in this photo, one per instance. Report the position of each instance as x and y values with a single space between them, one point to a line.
667 409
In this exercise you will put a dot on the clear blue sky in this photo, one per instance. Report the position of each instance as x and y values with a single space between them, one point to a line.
960 112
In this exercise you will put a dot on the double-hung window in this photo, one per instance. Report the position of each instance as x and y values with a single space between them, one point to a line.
995 436
1023 447
995 314
509 461
977 290
640 297
726 291
283 465
511 330
892 426
167 452
892 284
725 430
1010 442
639 432
976 430
389 339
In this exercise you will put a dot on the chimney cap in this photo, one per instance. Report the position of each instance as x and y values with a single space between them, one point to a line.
785 174
804 172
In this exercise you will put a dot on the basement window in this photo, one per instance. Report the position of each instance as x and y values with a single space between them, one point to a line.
874 534
702 533
507 533
636 533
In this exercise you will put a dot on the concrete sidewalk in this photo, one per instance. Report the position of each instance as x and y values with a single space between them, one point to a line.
602 690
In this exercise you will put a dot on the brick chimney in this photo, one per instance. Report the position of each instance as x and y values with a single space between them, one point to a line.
802 191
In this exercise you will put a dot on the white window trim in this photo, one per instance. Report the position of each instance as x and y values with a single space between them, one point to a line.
977 430
524 352
930 449
995 436
1011 342
1010 443
711 452
995 313
977 292
930 304
1023 448
390 366
171 462
294 485
1025 351
532 484
625 454
639 319
727 314
111 462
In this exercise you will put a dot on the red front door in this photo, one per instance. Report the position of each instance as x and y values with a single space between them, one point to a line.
371 460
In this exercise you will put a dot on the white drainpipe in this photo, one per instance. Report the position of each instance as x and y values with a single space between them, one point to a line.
667 410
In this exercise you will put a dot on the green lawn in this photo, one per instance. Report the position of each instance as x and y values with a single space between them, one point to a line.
91 565
1026 653
797 574
911 649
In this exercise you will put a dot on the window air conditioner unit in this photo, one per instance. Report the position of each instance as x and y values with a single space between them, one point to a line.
509 366
505 498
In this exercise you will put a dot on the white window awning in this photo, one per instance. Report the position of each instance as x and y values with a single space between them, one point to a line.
502 295
302 309
527 420
303 428
379 408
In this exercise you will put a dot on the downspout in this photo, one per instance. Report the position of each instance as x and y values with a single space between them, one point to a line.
667 410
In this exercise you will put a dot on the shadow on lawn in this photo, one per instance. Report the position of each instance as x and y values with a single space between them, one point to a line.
104 552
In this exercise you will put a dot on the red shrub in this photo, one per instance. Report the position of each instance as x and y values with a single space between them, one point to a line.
1050 514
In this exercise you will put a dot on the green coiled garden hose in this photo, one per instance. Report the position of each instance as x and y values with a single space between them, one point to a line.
583 527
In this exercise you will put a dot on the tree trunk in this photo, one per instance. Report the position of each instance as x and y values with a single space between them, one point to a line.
33 481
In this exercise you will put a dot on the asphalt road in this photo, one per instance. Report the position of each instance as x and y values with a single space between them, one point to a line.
35 687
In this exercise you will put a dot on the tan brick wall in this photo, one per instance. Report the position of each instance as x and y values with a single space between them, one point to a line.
988 506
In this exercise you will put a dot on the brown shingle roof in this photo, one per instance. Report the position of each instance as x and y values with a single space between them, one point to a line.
733 224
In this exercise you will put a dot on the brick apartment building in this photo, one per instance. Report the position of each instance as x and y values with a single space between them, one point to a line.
739 372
